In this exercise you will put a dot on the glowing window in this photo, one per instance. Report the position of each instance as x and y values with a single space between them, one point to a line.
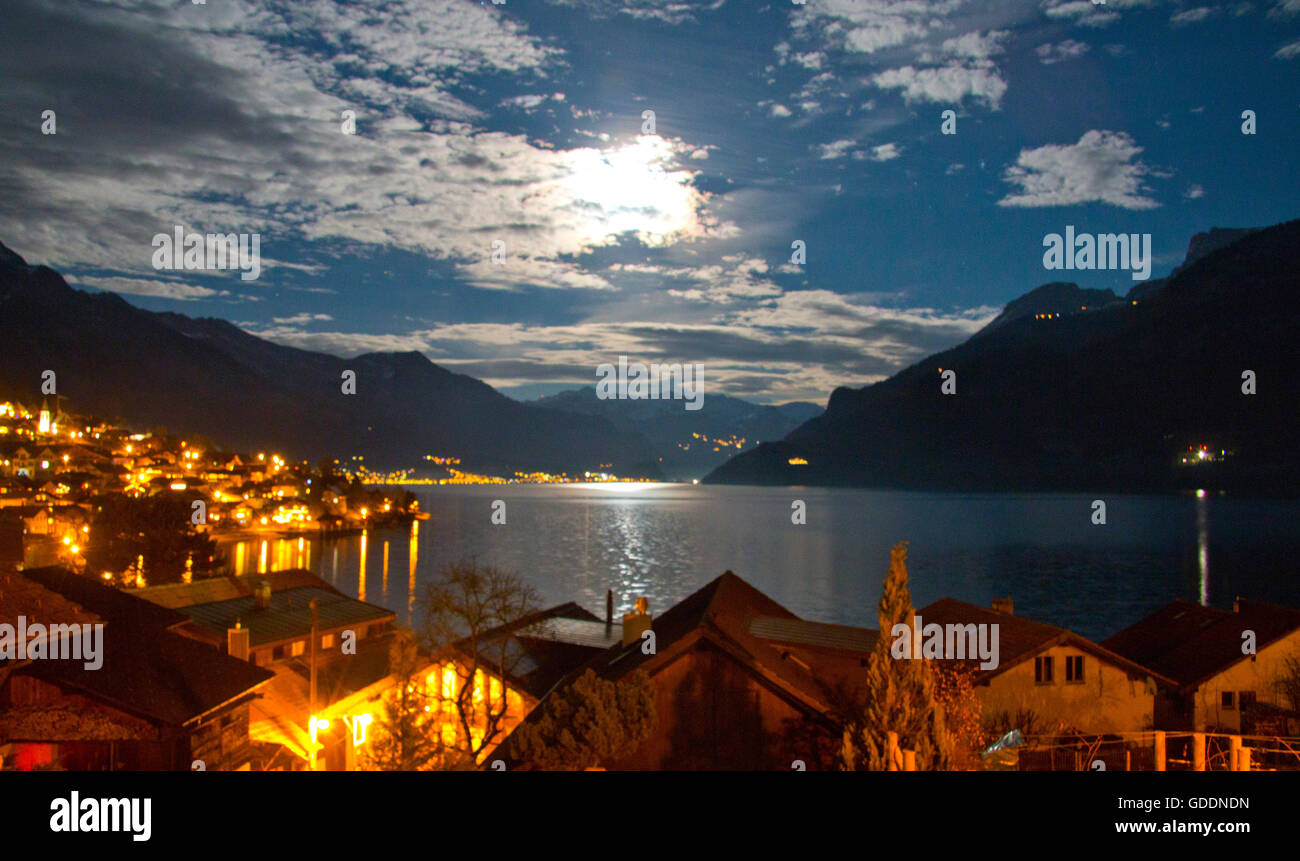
299 646
448 682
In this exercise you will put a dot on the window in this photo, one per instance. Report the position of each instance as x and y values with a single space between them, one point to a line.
277 653
1074 669
1043 670
327 641
298 647
1226 699
449 682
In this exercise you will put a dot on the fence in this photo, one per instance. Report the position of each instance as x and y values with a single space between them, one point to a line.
1156 750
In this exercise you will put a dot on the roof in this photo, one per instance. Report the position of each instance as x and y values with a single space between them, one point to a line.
288 616
22 596
1190 643
543 647
800 632
1020 639
225 587
723 611
146 670
110 603
158 675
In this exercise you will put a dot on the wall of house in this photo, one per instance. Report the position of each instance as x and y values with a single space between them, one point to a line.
1260 676
713 714
1107 700
221 741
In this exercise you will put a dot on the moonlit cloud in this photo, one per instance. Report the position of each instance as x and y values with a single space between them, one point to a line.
1101 168
947 84
1066 50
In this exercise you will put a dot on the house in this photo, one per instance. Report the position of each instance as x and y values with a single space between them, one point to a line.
1231 667
158 700
1051 676
267 620
740 682
521 661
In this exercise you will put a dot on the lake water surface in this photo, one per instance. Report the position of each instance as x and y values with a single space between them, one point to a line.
572 542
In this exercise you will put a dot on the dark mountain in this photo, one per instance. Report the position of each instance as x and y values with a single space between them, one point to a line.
1055 298
1108 398
690 442
207 376
1200 245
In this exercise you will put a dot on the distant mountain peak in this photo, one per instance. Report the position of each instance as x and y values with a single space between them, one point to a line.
1056 297
9 259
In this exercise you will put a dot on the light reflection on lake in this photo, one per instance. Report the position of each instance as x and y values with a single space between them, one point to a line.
574 541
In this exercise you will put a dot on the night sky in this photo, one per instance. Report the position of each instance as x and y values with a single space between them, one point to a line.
523 123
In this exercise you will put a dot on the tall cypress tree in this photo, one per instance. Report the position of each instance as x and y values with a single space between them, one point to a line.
900 693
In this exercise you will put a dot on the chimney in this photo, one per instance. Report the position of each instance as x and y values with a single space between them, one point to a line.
636 622
609 611
1004 606
237 641
262 595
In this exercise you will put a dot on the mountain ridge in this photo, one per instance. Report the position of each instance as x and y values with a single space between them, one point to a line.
1102 399
205 375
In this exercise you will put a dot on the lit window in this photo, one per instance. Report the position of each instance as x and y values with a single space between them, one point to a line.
299 646
448 682
327 641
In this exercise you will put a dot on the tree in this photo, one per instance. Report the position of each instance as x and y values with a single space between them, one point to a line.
900 693
589 724
954 690
404 738
470 615
159 528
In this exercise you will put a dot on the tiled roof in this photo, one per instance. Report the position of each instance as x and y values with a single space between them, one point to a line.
1020 639
723 610
146 670
161 676
1191 643
800 632
108 602
22 596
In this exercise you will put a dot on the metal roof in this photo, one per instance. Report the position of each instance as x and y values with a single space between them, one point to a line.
288 616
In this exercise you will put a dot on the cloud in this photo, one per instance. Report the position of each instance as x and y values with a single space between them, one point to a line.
301 319
177 290
1192 16
883 152
664 11
1101 168
946 85
1194 192
1289 51
976 46
835 149
254 142
780 111
1066 50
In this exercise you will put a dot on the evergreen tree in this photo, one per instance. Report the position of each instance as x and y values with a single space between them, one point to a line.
404 738
590 724
900 693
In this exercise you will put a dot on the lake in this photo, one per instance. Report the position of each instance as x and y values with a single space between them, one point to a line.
572 542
